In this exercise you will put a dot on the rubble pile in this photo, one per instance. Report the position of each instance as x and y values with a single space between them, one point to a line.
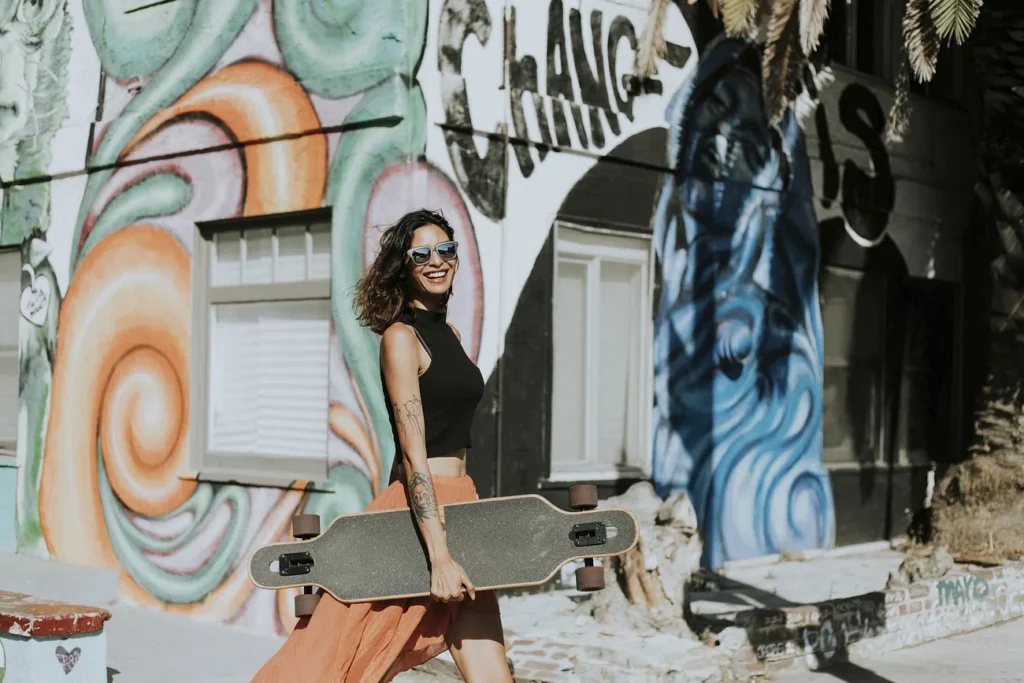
645 587
921 563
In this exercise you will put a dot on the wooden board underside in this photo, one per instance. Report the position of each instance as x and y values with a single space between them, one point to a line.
501 543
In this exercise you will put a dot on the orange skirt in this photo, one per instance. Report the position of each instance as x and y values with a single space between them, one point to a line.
373 642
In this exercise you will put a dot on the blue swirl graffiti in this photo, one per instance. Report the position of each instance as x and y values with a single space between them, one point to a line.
738 336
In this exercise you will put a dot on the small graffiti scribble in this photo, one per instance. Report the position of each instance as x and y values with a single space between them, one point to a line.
67 659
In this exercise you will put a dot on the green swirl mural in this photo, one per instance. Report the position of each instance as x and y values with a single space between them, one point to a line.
183 140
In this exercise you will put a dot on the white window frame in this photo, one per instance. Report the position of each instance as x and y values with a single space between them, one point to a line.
207 464
574 250
9 449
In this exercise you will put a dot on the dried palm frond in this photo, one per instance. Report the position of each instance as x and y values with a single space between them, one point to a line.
740 16
651 45
955 18
899 113
920 39
780 50
816 78
813 14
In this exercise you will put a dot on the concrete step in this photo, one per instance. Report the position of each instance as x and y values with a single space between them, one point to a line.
60 581
153 647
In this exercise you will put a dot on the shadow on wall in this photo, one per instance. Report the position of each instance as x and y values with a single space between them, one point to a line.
738 341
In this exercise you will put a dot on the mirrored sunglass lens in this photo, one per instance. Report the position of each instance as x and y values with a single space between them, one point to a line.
420 255
447 250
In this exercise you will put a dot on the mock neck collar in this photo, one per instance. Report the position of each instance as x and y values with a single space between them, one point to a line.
422 315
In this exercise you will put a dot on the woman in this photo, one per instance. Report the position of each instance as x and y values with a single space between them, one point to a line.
432 389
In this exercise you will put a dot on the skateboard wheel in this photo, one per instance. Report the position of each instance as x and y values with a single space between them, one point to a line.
305 526
305 604
583 497
590 578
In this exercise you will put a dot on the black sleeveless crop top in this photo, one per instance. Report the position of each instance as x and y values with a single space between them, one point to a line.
450 388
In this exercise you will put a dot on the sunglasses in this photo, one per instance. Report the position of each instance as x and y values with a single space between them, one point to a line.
448 251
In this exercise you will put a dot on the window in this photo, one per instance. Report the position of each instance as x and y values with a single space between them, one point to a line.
947 85
866 35
853 317
602 326
866 319
926 332
10 298
262 320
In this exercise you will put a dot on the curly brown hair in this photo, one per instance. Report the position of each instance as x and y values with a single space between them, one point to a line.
382 292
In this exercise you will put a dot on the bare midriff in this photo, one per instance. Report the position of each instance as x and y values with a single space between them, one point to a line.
449 465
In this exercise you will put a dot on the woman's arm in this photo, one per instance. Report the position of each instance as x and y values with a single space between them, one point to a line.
400 365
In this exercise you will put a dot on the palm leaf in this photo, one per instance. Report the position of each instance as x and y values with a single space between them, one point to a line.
920 39
813 14
739 16
652 41
955 18
899 114
781 46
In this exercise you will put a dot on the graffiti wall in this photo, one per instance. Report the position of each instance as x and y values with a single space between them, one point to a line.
123 124
739 338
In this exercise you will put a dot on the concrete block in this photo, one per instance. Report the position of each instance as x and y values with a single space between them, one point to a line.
43 641
78 659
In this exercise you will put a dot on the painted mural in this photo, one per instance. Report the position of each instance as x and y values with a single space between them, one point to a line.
126 123
738 340
205 110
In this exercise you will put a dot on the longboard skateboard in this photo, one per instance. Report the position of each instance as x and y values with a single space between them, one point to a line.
506 542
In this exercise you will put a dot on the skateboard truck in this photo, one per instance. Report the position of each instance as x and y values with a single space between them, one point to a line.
588 533
294 564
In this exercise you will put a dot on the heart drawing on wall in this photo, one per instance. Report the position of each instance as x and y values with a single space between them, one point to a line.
68 659
35 299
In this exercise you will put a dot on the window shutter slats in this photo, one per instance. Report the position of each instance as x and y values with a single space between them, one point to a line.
269 374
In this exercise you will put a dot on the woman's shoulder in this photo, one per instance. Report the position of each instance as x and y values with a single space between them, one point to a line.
398 333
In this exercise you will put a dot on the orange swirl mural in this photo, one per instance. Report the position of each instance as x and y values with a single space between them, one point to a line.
260 105
121 368
232 125
122 355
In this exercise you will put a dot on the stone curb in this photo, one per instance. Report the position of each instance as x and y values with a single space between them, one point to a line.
767 641
968 598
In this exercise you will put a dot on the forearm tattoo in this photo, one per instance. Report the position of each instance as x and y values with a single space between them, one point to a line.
398 420
414 414
409 416
421 492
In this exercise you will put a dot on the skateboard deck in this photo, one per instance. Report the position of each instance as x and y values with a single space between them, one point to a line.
501 543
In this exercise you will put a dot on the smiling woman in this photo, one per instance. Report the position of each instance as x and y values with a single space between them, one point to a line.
432 389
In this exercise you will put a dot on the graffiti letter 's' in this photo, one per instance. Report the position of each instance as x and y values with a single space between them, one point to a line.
867 199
